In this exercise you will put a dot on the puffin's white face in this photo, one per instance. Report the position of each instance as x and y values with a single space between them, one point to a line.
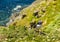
38 25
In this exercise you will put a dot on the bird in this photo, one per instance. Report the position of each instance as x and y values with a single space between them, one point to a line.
23 16
39 24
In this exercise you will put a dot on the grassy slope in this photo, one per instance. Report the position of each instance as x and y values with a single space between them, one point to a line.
50 26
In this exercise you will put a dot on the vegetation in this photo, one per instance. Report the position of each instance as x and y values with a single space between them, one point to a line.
47 11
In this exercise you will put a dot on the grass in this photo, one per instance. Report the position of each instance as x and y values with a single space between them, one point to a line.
19 30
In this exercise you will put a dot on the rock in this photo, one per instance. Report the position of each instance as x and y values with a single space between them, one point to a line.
17 7
12 18
7 24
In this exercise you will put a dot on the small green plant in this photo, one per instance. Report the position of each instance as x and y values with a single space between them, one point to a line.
48 32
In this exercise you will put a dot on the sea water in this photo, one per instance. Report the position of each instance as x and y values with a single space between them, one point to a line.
8 6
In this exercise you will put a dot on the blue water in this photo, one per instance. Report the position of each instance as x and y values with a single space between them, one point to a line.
6 7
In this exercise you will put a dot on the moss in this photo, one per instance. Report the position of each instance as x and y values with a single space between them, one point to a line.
49 12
